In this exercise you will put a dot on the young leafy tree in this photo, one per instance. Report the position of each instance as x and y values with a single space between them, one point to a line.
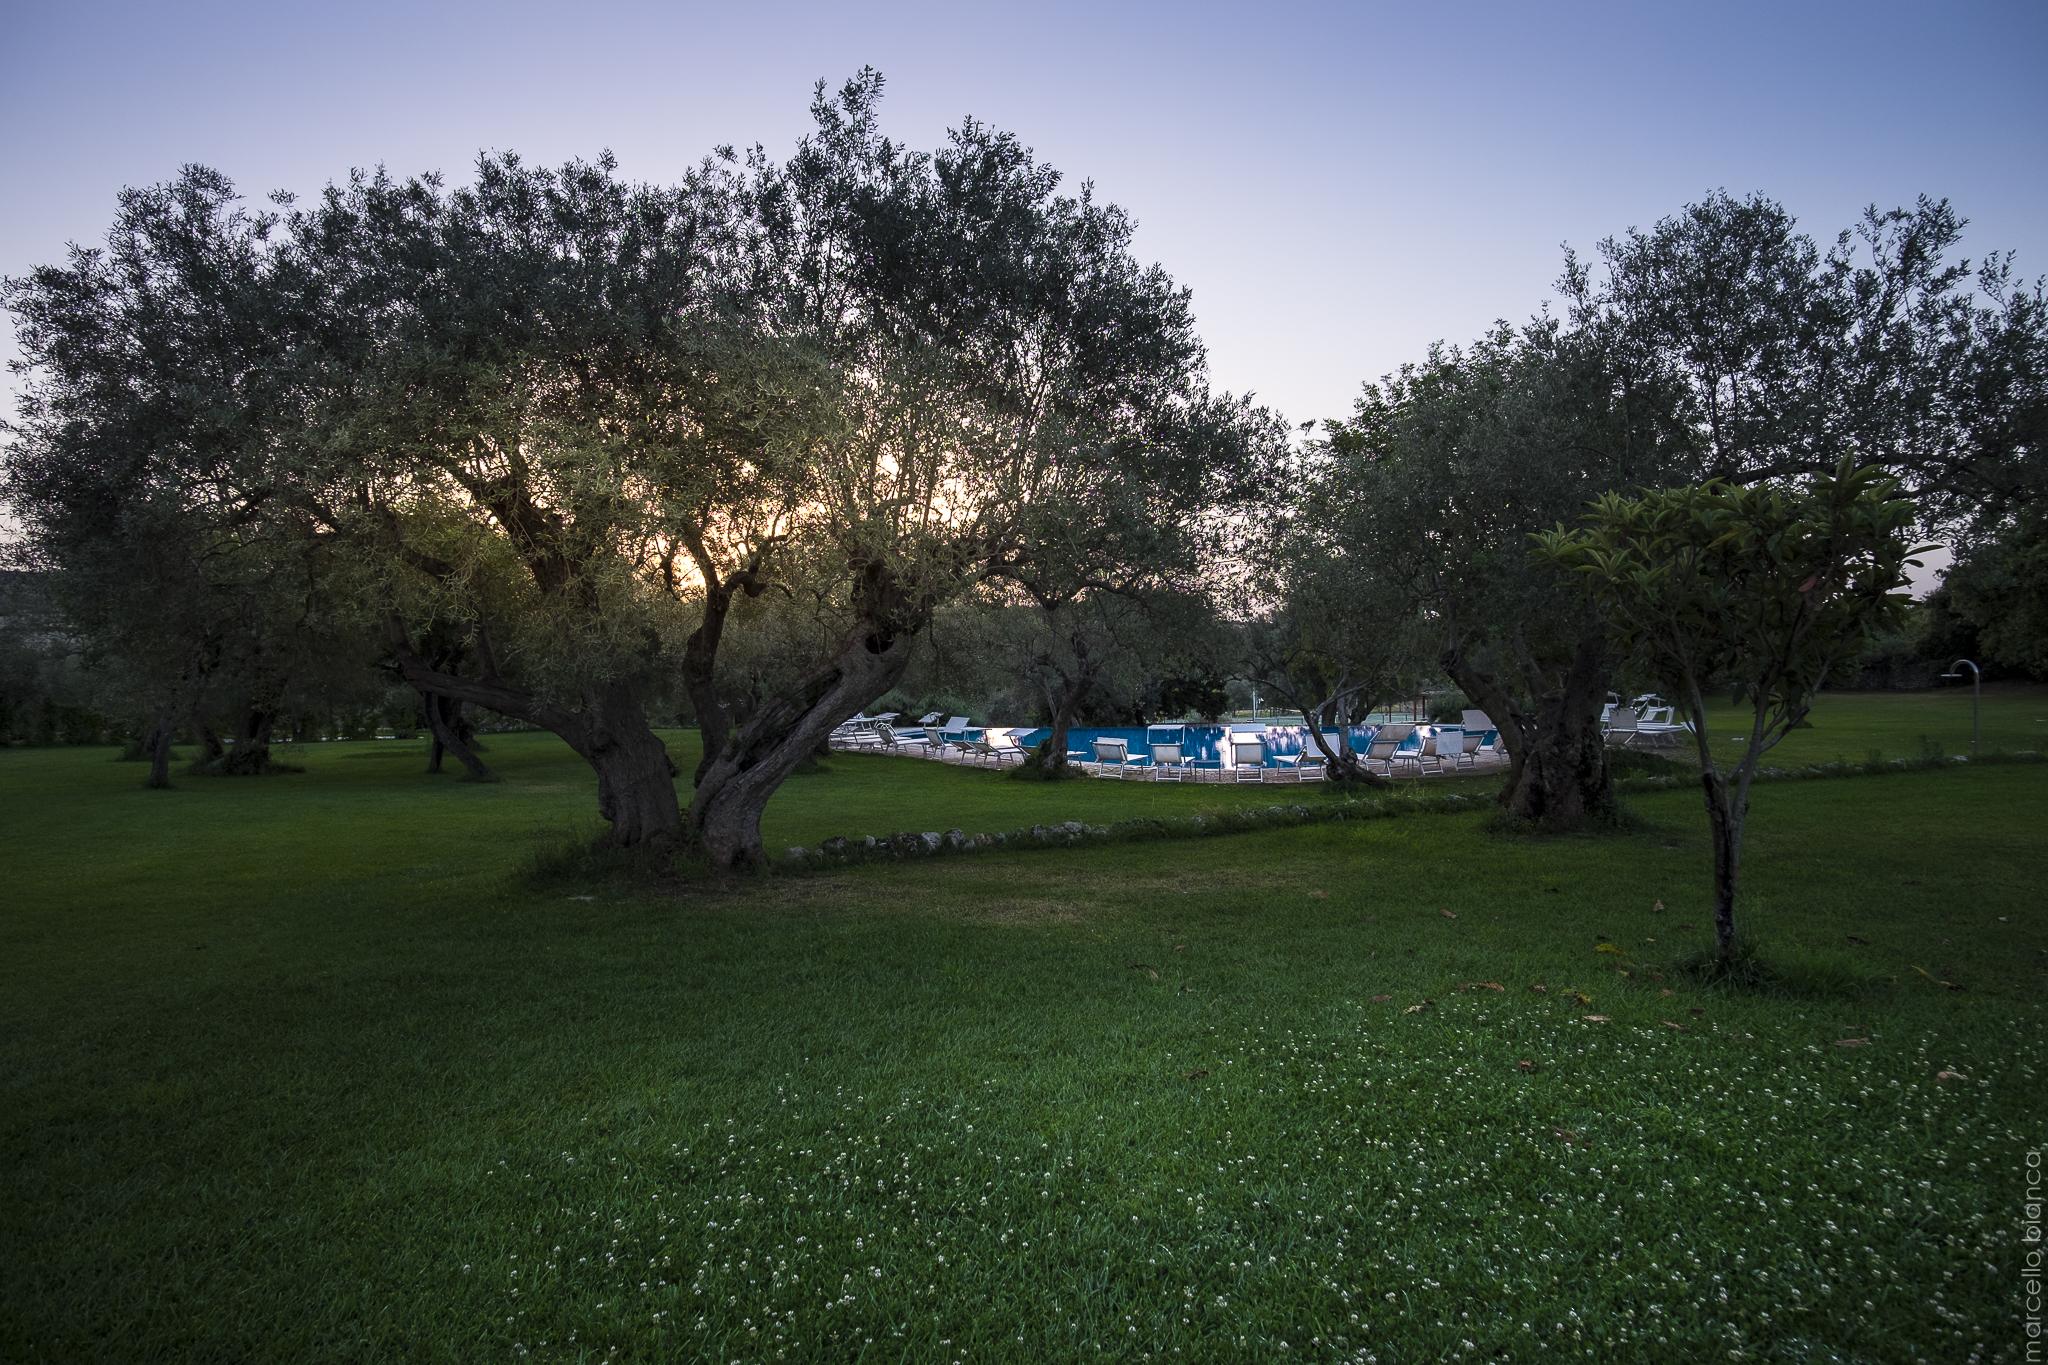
1760 589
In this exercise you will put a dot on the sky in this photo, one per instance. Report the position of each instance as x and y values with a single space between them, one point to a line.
1339 184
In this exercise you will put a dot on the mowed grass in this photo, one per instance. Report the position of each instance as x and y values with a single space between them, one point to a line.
312 1068
1852 726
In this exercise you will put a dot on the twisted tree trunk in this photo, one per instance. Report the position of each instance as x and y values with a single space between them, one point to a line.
250 754
452 734
1557 757
1342 764
725 812
636 789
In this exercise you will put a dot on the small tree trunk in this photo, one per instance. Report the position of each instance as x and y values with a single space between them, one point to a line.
1726 811
1341 763
725 814
159 755
1052 754
451 735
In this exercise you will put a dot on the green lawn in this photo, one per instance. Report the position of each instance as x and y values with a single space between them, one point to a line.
1855 725
310 1068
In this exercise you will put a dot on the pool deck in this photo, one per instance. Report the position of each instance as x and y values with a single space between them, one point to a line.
1284 774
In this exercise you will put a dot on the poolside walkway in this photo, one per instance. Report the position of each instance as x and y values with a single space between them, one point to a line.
1142 770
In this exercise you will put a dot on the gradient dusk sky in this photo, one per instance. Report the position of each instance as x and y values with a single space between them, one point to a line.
1339 184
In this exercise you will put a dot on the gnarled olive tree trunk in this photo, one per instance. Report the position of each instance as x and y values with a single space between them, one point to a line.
636 790
1063 698
1557 757
636 781
725 812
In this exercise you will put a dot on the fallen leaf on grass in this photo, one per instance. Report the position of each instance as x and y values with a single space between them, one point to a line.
1606 948
1854 938
1657 908
1481 986
1197 1073
1417 1009
1946 1076
1539 988
1381 999
1670 1025
1664 994
1582 997
1852 1042
1448 914
1594 1018
1319 895
1950 985
1525 1065
1567 1134
1145 967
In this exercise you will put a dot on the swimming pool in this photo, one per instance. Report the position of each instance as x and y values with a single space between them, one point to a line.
1204 744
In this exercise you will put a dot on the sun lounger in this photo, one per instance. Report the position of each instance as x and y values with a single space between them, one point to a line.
1386 742
997 747
1623 727
1429 755
1170 764
1111 755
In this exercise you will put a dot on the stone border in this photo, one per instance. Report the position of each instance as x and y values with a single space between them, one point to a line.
846 851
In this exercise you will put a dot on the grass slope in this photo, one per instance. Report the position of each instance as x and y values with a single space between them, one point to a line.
308 1068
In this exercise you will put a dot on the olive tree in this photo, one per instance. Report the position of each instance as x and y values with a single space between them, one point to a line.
137 468
853 380
1757 589
1320 628
1446 467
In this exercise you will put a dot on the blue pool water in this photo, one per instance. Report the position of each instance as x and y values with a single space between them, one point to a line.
1204 743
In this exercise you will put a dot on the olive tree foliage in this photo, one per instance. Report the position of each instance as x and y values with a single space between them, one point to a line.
152 391
1760 589
1998 589
1320 629
1782 357
1116 557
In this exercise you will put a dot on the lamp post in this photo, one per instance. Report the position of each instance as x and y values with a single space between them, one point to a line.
1976 698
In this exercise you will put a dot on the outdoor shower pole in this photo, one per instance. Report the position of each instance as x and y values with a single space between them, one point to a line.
1976 700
